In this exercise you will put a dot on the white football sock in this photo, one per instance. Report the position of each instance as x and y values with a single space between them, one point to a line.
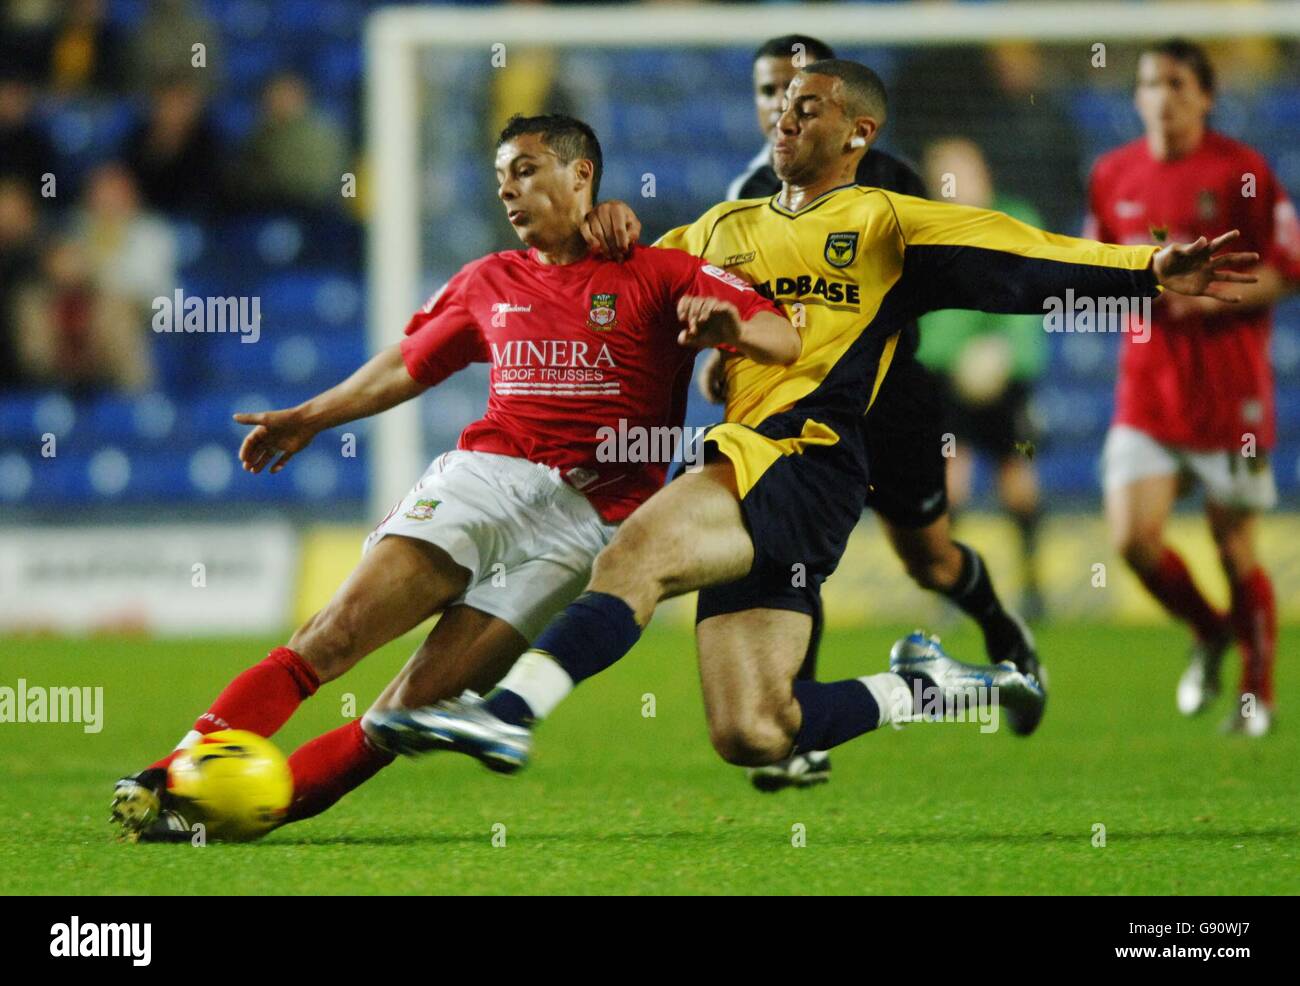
188 740
539 680
892 694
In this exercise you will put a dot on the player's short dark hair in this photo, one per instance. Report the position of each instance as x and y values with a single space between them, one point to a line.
567 136
783 47
1188 53
863 90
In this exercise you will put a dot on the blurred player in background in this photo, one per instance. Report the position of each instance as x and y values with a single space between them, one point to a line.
904 430
988 364
1195 400
500 534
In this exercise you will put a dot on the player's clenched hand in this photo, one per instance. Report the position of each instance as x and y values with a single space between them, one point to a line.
611 228
709 322
276 433
712 380
1191 268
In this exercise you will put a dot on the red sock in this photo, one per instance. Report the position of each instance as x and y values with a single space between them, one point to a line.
330 766
1171 583
261 699
1254 621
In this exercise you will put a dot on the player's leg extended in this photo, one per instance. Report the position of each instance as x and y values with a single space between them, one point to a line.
958 572
1253 614
688 535
399 583
466 648
759 714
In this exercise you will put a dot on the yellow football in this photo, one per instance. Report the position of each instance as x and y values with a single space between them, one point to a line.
236 783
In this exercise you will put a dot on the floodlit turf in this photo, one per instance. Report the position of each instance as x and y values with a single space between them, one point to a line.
617 802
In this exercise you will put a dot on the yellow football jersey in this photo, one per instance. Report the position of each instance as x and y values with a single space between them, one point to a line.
853 266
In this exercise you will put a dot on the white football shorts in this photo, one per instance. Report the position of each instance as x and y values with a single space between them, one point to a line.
1230 479
527 537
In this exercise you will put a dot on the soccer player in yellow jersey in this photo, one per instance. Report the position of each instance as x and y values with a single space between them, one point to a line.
764 521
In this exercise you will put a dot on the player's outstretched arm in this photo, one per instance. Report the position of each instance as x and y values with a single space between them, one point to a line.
381 383
1195 268
765 337
961 257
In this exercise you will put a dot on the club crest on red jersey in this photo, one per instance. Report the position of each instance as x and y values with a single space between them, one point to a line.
603 317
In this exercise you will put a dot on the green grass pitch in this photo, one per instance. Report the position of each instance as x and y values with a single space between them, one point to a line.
618 802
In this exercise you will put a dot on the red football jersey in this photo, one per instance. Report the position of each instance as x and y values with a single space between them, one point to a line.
1200 382
576 350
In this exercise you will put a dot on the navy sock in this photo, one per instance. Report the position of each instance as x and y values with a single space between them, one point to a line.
592 633
833 713
973 594
509 707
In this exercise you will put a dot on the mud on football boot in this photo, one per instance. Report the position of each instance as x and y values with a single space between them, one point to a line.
461 725
138 801
920 657
1199 685
799 770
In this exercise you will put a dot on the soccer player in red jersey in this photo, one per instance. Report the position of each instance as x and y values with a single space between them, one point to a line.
1195 391
591 361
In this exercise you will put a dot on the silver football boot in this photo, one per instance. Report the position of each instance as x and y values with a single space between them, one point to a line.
461 725
920 657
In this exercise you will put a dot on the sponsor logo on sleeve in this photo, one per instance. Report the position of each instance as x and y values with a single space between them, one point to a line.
727 278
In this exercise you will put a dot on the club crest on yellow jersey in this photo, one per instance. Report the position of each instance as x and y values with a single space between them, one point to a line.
841 249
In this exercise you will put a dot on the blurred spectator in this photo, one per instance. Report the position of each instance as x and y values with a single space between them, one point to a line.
131 253
17 270
74 335
296 157
162 46
85 52
175 155
82 324
26 152
999 97
988 364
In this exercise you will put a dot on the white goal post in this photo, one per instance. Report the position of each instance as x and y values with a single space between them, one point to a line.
395 35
